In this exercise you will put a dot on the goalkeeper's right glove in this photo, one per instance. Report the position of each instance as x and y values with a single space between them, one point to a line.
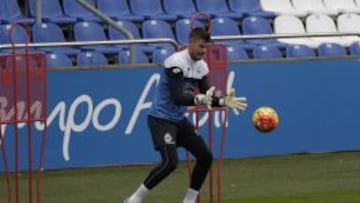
205 99
233 102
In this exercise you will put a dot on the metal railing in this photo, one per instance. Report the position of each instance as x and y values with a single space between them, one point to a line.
132 41
172 41
276 36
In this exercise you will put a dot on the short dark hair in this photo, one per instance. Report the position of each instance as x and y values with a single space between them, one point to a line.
199 34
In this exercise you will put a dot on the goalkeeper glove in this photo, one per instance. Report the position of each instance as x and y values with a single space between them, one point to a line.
205 99
235 103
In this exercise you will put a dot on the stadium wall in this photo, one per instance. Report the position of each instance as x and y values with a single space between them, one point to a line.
98 117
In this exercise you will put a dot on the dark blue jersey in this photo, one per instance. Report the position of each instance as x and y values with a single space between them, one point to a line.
179 79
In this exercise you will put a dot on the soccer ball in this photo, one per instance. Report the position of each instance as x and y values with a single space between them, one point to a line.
265 119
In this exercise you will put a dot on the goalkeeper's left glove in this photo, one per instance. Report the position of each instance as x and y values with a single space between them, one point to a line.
205 99
235 103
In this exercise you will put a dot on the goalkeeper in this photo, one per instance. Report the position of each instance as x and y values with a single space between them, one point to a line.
184 71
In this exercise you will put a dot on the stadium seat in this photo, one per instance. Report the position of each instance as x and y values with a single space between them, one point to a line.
91 58
18 35
150 9
118 10
57 60
236 52
299 51
74 9
217 8
331 49
181 8
266 52
287 24
10 13
257 25
124 57
314 7
355 48
50 32
161 54
92 31
343 6
281 7
320 23
157 29
114 34
349 23
183 28
227 26
249 8
51 11
357 2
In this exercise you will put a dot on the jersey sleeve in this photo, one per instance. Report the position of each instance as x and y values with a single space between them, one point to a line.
178 93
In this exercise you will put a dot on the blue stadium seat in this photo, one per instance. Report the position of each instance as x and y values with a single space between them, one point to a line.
118 9
294 51
266 52
331 49
18 35
150 9
10 13
51 11
140 57
355 48
114 34
181 8
257 25
92 31
236 52
74 9
183 28
91 58
157 29
50 32
249 8
57 60
217 8
227 26
161 54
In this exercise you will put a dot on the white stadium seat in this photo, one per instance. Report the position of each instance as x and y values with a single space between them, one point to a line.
344 6
357 2
313 7
287 24
349 22
320 23
281 7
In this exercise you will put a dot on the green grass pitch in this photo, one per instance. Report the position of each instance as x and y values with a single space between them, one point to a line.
303 178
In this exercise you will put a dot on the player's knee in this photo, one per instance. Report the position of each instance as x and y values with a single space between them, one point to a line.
206 158
170 165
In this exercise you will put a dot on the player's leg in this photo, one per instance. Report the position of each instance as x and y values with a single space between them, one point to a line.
169 161
191 141
163 135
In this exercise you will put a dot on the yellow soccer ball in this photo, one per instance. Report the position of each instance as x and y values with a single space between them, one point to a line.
265 119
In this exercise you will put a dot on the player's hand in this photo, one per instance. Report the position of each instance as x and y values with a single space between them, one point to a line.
205 99
235 103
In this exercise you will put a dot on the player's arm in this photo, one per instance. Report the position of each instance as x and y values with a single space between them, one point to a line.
176 87
179 94
204 86
230 100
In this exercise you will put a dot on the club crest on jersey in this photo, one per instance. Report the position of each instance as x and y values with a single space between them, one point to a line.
176 70
168 138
